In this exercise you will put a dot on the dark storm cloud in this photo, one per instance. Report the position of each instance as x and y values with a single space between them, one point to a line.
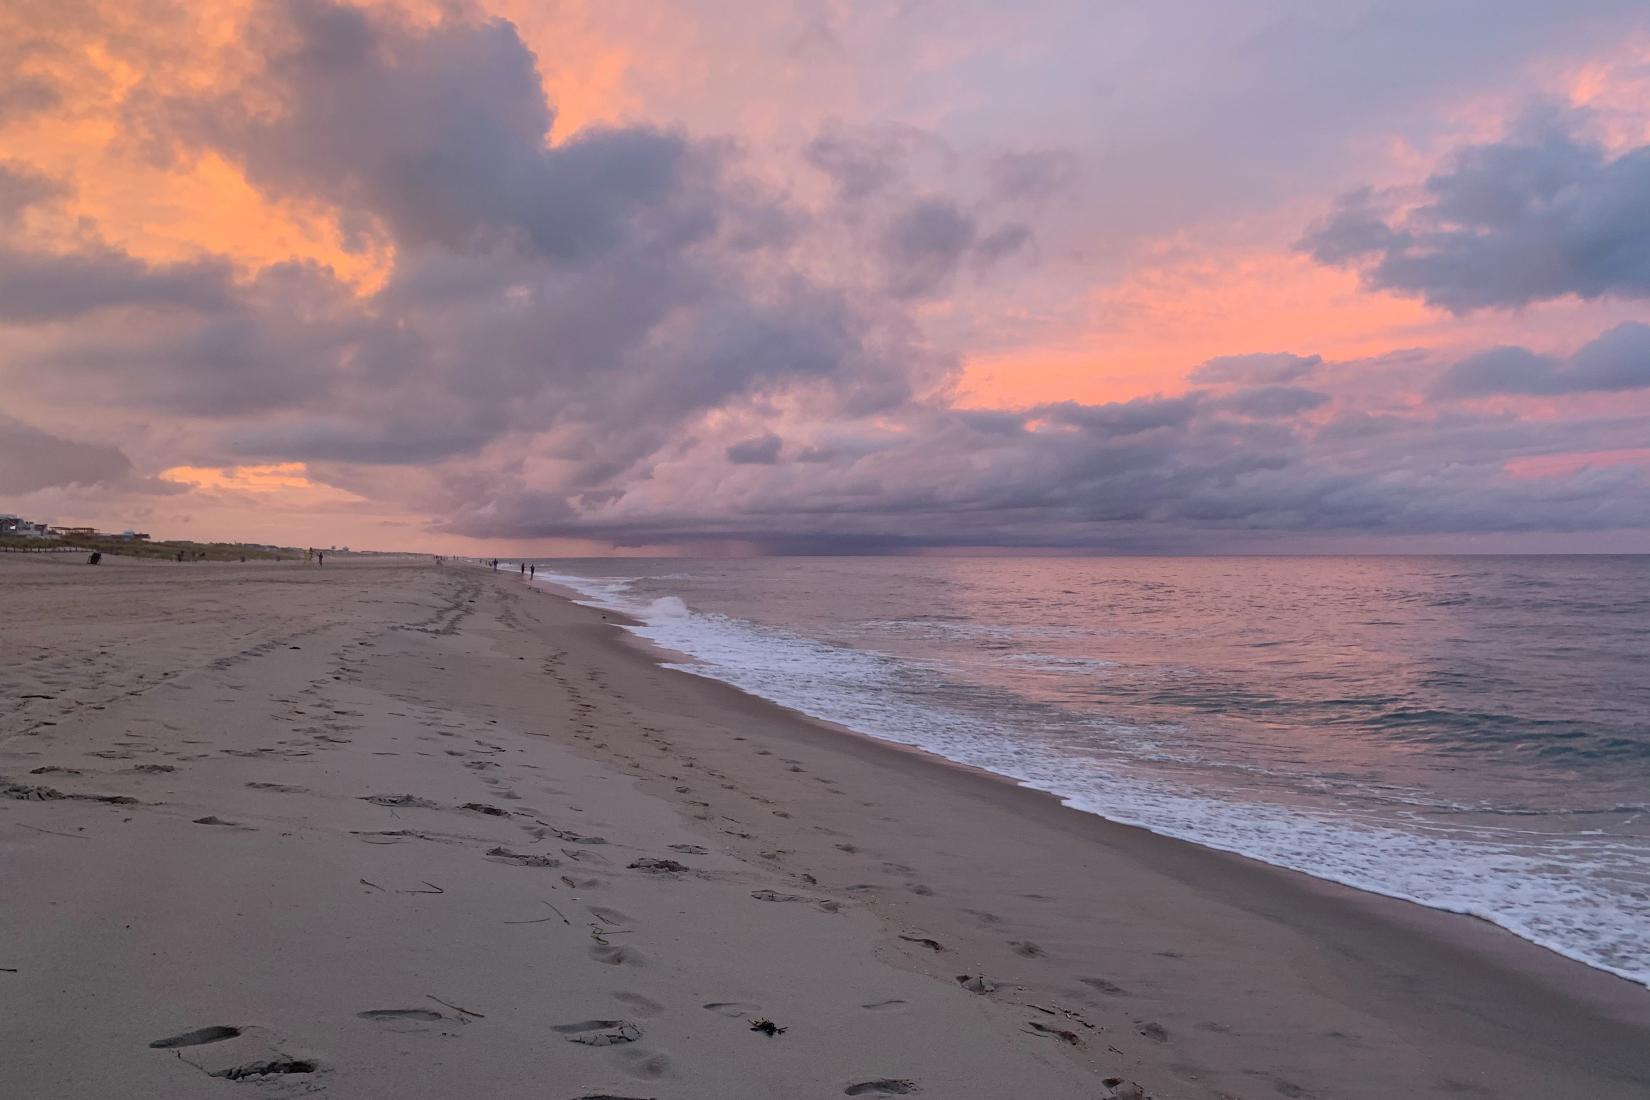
21 187
1257 369
923 246
1030 175
1155 473
32 459
41 286
1618 360
440 134
1273 402
22 95
761 451
861 161
184 339
597 292
1540 215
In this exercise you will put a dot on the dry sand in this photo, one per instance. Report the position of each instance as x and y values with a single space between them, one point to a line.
395 828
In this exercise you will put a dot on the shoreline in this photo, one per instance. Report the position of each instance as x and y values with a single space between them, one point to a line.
354 792
1473 931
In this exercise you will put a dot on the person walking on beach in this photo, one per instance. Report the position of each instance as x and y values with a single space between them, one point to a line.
320 557
532 571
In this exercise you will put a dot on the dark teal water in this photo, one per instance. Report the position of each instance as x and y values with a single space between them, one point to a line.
1471 734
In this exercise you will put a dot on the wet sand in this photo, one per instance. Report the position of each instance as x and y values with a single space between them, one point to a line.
399 830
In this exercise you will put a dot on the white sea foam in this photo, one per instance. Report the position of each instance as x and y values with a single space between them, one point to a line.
1576 895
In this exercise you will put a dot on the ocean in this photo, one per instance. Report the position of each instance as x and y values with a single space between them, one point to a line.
1467 733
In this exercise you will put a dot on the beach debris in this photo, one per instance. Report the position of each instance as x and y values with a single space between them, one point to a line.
768 1027
599 1033
399 800
27 792
656 866
541 920
775 895
54 832
483 808
1069 1014
374 885
433 889
689 849
521 859
269 1068
455 1008
1040 1028
1125 1090
387 836
977 983
565 834
198 1037
885 1086
53 769
931 944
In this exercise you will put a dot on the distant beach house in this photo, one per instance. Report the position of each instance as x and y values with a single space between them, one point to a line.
75 532
18 527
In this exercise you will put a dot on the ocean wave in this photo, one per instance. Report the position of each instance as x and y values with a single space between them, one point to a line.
1580 896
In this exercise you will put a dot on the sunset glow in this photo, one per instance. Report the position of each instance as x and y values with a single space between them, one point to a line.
506 274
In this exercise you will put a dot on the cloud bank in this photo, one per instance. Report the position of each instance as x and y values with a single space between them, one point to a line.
638 335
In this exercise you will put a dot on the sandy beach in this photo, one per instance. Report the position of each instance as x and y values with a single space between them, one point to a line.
388 829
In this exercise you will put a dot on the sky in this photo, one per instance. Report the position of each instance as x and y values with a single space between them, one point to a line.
811 276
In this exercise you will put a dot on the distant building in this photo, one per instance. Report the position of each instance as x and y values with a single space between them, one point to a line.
134 536
75 532
18 527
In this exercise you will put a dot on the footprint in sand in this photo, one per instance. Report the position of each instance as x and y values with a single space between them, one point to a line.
599 1033
213 820
639 1063
198 1037
401 1015
884 1086
640 1004
732 1009
615 955
236 1053
1027 949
